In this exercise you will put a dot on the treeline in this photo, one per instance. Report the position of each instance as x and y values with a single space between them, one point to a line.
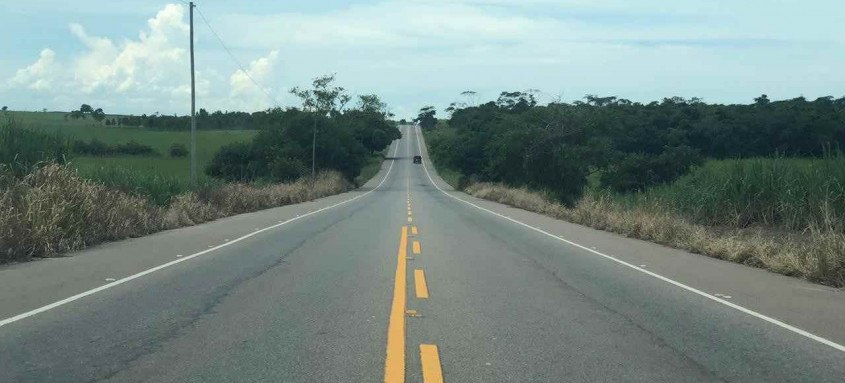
217 120
282 150
625 146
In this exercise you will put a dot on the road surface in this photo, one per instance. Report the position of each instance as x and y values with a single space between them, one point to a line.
407 280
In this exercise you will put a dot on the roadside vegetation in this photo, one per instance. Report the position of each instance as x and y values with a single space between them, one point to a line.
53 209
758 184
346 138
70 180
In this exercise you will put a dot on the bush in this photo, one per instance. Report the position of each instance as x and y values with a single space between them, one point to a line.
178 150
235 162
637 171
134 148
98 148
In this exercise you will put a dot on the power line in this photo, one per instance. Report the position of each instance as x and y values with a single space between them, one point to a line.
232 56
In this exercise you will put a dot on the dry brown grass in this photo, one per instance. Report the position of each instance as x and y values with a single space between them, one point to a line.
819 256
53 210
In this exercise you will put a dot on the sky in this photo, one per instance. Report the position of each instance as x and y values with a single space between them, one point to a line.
131 56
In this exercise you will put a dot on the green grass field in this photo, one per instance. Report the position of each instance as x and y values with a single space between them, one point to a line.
158 177
208 142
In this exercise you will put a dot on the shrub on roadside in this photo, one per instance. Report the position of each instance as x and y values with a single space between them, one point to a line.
236 162
178 150
636 172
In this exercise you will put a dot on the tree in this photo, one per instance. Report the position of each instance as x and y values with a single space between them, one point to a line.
98 114
517 101
5 108
426 117
470 97
762 100
323 97
85 109
371 103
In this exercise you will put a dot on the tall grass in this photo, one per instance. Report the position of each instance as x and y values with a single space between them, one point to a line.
787 193
53 209
20 148
159 189
819 257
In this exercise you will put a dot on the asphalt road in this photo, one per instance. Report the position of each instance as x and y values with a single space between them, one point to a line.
406 280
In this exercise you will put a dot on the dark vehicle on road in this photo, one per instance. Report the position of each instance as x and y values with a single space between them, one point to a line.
417 159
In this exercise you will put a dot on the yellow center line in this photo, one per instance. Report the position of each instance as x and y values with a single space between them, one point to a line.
430 360
394 363
416 247
419 283
414 230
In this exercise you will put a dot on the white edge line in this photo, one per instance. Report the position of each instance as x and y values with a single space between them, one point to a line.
650 273
185 258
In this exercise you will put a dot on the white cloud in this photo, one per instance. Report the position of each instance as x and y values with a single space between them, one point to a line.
40 74
428 51
247 95
143 69
151 62
148 73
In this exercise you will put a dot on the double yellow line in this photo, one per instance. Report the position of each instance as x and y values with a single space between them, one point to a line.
394 365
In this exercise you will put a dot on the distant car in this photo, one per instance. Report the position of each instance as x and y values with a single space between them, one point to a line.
417 159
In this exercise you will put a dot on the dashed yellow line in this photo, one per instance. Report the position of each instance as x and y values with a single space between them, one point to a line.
419 284
416 247
394 363
430 360
414 230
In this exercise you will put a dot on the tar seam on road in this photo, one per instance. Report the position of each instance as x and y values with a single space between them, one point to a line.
394 361
735 306
183 259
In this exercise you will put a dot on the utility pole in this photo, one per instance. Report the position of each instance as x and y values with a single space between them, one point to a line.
314 149
193 105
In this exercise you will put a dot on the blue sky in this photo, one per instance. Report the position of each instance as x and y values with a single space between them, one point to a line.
131 56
